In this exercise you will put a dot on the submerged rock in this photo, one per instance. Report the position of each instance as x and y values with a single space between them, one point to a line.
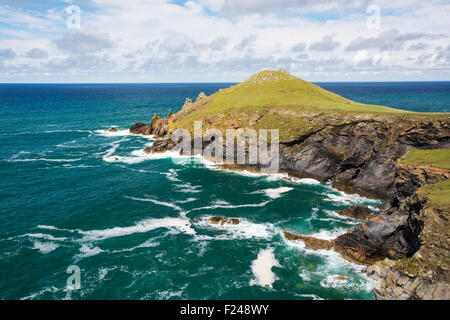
111 130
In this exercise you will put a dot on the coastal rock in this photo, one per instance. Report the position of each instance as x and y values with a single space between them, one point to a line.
392 284
201 96
160 145
111 130
187 104
310 242
361 151
222 220
360 212
140 128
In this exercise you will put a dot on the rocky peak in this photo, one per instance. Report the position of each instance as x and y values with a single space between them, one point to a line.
201 96
187 104
269 75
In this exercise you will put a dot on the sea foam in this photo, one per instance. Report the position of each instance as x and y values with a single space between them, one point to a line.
262 268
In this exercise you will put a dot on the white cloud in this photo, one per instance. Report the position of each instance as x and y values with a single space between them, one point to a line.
227 40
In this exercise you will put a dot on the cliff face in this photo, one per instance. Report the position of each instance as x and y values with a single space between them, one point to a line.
425 273
361 153
406 243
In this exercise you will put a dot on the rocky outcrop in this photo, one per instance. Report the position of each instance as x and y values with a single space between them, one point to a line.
360 212
140 128
406 244
187 104
360 153
392 284
221 220
111 130
158 126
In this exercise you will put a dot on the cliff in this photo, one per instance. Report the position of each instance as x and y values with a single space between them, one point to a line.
330 138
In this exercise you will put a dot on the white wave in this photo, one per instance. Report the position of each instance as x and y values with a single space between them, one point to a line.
37 294
262 268
43 159
87 250
102 272
46 227
342 197
45 247
333 281
308 181
179 224
244 230
251 174
310 295
147 244
45 236
231 206
69 166
119 133
138 156
18 154
305 275
172 175
187 200
187 188
328 234
274 193
161 203
220 202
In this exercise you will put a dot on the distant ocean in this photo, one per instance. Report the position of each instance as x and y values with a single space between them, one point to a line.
134 226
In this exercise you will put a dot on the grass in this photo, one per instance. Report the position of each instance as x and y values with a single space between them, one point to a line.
282 100
439 158
438 194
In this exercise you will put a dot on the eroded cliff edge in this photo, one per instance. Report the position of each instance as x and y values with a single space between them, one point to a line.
406 244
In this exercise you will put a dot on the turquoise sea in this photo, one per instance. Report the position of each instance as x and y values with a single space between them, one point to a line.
134 225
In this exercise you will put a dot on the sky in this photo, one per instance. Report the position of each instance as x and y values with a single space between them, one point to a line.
65 41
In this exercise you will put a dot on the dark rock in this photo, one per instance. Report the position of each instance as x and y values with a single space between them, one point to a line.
112 130
140 128
360 212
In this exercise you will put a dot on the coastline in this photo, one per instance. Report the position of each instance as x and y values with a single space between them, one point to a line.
359 155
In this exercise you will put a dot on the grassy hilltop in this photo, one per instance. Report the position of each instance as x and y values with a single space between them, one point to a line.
278 100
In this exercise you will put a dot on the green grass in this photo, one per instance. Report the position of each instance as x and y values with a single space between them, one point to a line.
283 100
439 158
438 194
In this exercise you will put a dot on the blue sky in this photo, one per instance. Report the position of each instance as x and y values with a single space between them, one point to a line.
223 40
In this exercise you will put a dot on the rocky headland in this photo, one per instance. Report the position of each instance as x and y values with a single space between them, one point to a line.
399 156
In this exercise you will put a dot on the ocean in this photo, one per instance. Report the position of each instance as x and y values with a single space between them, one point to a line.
135 226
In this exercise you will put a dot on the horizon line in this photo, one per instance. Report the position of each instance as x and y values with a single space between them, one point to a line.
228 82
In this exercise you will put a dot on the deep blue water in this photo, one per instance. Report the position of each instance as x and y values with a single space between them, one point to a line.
72 194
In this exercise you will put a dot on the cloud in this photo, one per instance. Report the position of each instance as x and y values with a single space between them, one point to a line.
37 54
389 40
233 7
7 54
83 42
246 43
326 44
299 47
170 40
418 46
219 43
